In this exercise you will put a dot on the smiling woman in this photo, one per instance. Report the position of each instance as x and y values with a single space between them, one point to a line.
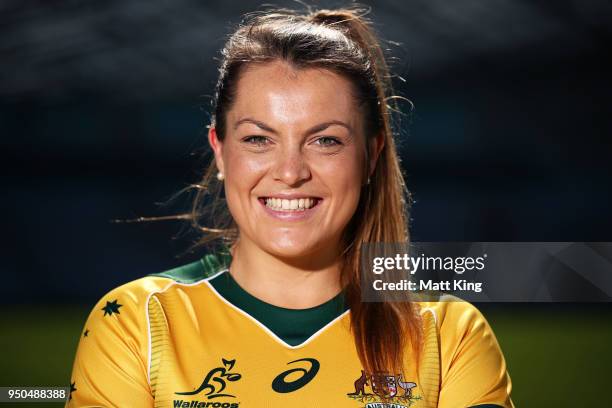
304 153
293 166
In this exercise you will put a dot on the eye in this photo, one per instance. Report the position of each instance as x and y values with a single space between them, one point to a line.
327 141
256 140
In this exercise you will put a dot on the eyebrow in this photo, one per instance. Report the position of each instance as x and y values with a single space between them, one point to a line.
314 129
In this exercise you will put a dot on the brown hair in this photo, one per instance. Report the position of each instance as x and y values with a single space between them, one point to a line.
344 42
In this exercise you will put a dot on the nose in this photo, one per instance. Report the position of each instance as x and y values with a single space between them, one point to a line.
291 166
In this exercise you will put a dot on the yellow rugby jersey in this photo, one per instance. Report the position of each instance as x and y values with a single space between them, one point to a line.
192 337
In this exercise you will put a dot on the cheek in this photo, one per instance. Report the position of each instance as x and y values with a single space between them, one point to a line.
342 175
242 173
241 164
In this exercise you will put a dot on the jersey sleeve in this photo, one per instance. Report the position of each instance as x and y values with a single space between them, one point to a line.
111 363
472 365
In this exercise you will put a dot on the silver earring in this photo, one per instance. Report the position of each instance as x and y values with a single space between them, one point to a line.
220 176
368 182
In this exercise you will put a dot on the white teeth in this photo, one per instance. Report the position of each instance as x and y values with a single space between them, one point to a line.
300 204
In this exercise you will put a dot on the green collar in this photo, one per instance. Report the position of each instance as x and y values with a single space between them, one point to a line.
293 326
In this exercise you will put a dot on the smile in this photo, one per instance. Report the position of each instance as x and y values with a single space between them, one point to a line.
294 209
296 204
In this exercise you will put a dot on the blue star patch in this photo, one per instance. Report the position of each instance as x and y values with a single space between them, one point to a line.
111 307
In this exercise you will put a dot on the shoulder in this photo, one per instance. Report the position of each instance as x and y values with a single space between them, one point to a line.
115 352
472 365
129 301
462 330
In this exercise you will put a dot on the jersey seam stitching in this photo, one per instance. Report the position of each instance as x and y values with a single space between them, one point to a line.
149 330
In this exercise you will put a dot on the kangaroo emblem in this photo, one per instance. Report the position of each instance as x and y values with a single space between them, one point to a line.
217 375
360 384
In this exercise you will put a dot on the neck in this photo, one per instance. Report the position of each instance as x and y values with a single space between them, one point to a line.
288 283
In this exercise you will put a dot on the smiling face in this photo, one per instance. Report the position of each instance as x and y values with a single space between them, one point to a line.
293 159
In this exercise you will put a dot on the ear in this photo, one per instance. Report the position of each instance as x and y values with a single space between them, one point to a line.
376 145
217 147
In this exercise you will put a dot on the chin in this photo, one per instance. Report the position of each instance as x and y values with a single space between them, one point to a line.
288 248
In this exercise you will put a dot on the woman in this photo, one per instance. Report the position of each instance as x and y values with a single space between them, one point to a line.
303 148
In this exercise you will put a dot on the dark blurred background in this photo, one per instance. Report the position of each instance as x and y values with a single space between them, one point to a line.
103 108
